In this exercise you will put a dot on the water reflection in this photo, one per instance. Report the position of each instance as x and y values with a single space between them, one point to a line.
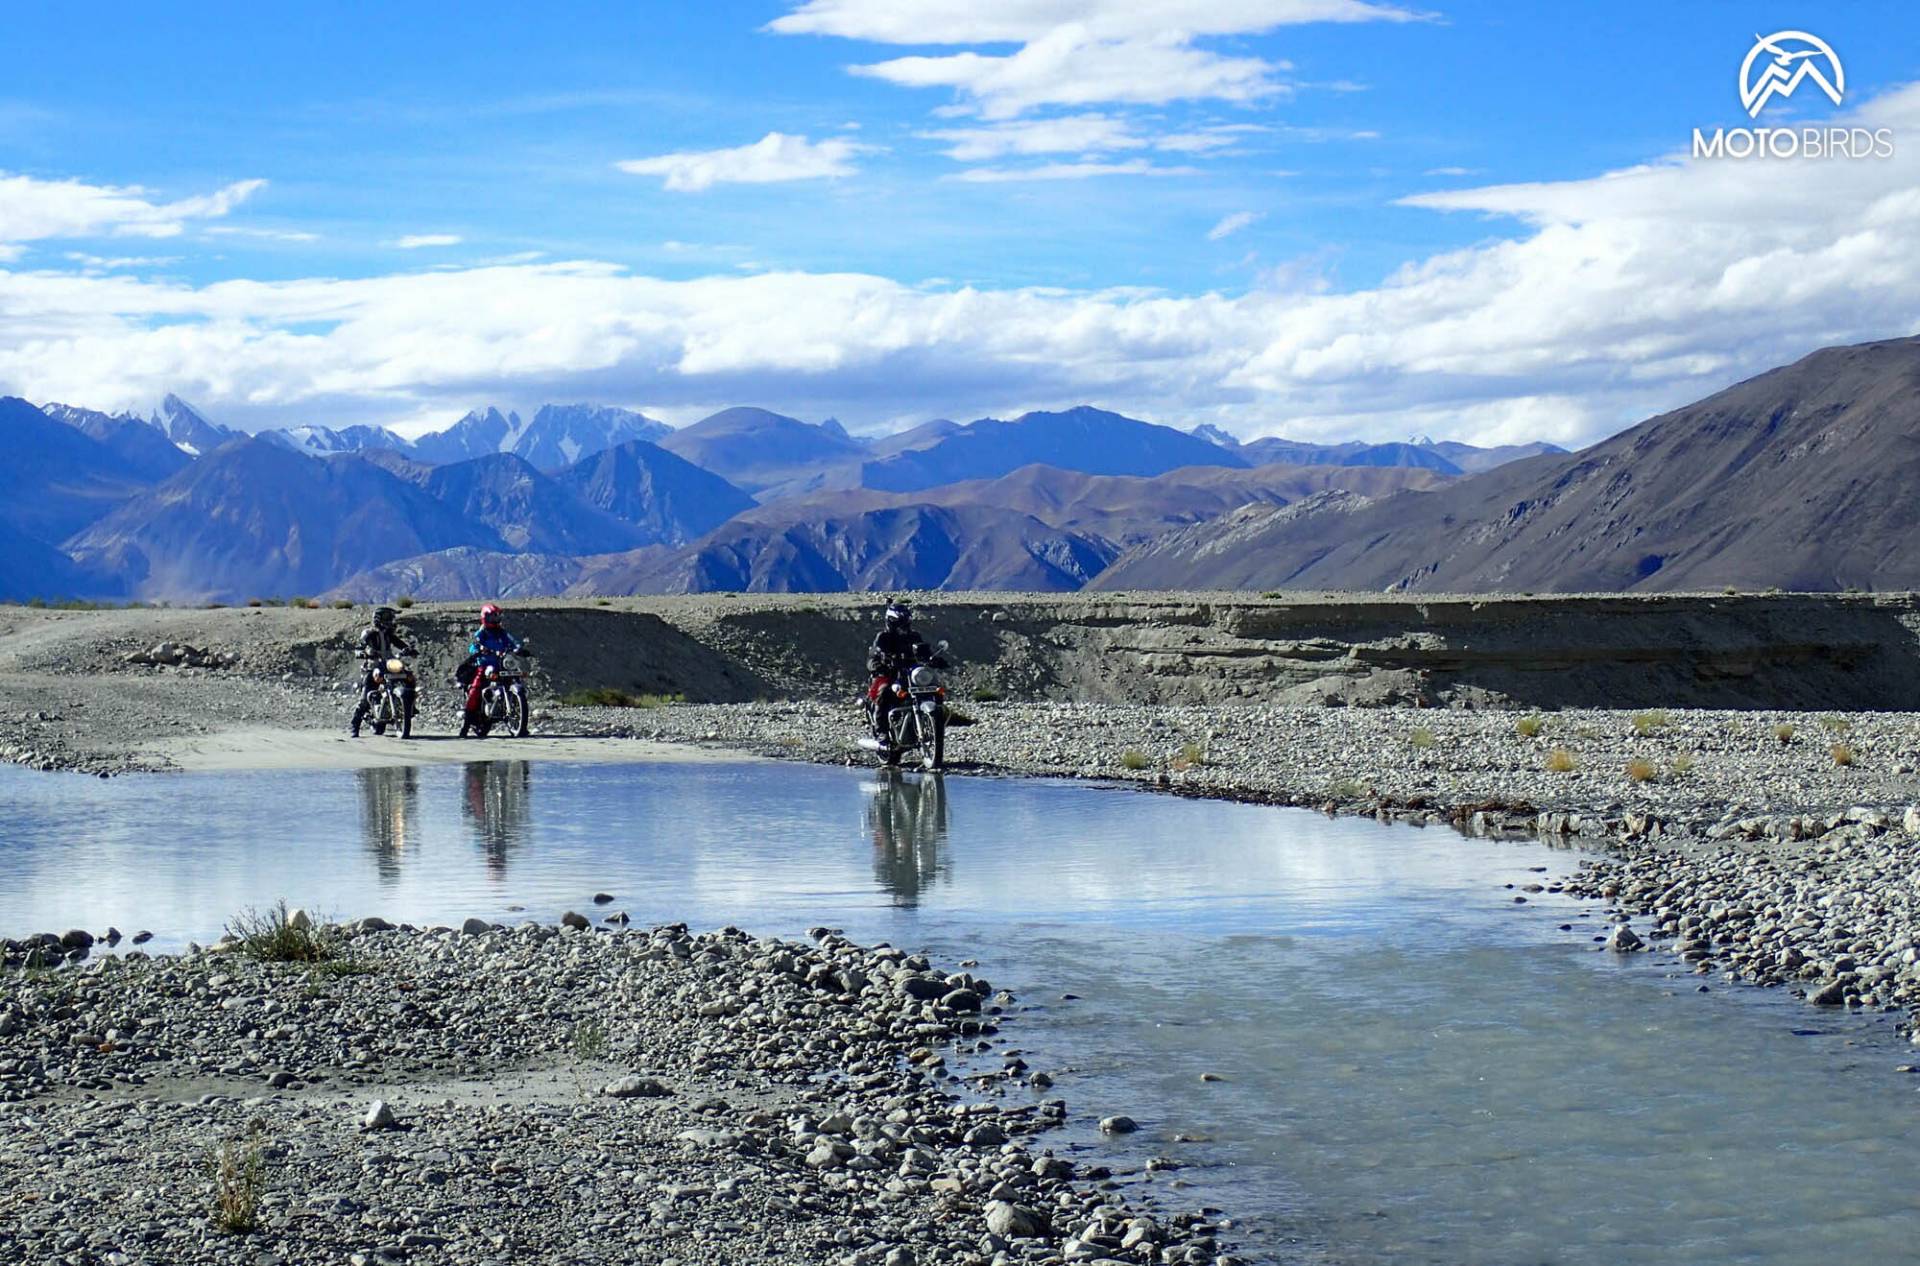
907 818
389 816
498 805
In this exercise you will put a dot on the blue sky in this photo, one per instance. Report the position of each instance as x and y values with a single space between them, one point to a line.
1193 211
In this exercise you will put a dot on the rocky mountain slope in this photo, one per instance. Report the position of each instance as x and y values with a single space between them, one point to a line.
144 450
905 547
668 499
56 478
255 518
526 510
763 452
1092 441
1799 478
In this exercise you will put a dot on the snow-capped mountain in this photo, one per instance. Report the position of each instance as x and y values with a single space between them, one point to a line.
562 434
146 452
481 432
190 433
319 441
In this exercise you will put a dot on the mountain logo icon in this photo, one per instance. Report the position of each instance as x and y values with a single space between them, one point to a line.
1778 63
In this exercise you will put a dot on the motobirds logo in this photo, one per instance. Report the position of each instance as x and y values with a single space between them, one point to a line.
1776 67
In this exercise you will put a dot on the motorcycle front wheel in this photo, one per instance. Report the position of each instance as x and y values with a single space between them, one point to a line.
517 711
933 754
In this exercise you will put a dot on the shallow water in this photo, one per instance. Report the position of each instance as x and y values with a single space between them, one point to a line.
1416 1069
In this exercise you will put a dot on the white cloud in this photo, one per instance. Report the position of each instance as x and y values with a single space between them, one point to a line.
1067 171
110 263
773 158
1614 297
34 210
1070 134
1020 21
1453 171
1071 66
414 241
267 235
1232 224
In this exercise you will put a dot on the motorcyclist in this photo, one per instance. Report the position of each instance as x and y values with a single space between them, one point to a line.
895 650
379 642
490 641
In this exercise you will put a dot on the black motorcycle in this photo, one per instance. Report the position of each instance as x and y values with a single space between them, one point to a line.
390 696
916 705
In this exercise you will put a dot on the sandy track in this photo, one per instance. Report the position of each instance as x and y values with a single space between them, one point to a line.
270 749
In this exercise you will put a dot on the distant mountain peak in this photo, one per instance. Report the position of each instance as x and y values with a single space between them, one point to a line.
189 430
1214 435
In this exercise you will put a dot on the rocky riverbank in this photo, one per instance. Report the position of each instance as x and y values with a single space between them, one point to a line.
570 1094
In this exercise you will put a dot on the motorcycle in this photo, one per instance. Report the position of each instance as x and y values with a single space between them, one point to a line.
916 717
390 696
503 694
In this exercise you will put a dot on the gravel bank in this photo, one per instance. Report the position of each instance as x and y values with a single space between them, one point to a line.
551 1094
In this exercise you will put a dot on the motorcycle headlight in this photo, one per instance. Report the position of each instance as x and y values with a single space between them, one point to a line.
923 678
395 666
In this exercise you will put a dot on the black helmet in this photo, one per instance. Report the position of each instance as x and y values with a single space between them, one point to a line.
383 617
899 615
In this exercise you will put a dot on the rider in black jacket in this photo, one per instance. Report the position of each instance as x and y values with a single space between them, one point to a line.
895 650
379 642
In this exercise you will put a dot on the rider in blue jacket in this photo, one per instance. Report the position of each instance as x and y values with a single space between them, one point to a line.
490 641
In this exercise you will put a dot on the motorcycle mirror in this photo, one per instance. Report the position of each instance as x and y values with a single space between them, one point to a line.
941 647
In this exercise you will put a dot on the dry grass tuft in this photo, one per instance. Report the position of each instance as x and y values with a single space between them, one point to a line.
1560 761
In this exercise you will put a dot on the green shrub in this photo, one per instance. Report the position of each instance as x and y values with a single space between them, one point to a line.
1422 737
589 1040
1131 759
1560 761
1835 725
986 694
1783 732
1683 765
1645 723
1641 770
272 936
240 1180
342 604
1842 755
1529 727
1192 756
403 601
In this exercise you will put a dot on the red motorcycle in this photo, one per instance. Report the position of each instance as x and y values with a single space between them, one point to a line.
503 693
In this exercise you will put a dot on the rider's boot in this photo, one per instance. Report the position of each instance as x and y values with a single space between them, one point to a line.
359 715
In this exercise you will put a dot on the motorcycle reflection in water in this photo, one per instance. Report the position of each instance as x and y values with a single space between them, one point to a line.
907 818
499 806
389 815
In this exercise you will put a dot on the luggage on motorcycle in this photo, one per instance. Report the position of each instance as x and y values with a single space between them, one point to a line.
464 674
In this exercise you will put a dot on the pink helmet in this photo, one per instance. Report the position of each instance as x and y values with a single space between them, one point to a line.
490 616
